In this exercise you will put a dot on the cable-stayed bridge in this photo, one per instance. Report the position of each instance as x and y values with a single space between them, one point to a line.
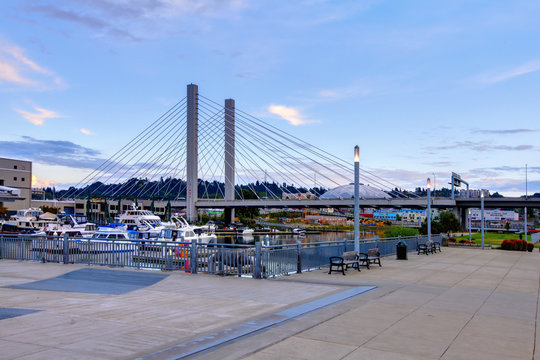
201 153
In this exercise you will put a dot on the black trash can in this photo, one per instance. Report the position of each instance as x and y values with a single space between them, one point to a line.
401 250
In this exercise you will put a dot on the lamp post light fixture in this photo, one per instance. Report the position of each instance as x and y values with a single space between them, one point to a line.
356 195
470 225
428 210
482 216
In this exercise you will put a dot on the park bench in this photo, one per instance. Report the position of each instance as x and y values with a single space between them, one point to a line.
341 263
435 246
373 256
427 248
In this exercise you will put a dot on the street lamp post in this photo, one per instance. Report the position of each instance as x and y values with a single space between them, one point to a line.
428 210
482 216
470 225
525 213
356 195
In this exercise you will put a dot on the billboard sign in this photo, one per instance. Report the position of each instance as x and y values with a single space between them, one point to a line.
456 179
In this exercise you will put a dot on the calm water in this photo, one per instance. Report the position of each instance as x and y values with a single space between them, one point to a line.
292 239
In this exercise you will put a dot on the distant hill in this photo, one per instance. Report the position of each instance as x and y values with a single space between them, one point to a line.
172 188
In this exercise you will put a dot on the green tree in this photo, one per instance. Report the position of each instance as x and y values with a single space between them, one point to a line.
436 228
507 226
449 222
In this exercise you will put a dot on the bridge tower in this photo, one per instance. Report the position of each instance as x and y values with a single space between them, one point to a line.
229 156
192 151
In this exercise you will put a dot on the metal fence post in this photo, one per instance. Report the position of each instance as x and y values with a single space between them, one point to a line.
299 257
194 257
239 260
168 261
258 260
1 245
66 249
344 245
221 267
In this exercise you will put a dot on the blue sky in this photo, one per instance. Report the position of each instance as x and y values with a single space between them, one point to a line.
423 87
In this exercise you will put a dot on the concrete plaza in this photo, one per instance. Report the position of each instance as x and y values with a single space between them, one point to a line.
457 304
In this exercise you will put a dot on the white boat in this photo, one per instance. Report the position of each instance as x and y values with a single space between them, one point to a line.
187 234
299 232
143 221
245 231
70 224
210 226
108 233
181 229
29 218
111 240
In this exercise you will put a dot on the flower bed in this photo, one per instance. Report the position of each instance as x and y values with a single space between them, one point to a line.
516 245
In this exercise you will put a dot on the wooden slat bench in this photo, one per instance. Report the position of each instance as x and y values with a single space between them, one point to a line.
373 256
341 263
426 248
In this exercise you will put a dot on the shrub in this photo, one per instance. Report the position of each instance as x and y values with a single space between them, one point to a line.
507 245
530 246
514 244
400 231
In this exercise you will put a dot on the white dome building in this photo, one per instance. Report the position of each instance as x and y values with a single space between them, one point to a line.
347 192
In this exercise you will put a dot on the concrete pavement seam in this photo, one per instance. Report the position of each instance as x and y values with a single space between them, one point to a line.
479 307
536 319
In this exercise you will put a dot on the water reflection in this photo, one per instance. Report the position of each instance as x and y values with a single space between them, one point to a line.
276 239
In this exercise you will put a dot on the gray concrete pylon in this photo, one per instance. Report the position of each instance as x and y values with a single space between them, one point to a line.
192 152
229 153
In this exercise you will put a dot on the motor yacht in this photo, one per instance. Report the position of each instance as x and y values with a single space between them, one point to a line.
244 231
143 221
74 225
29 219
187 234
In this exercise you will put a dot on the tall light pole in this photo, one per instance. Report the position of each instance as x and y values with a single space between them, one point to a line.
525 215
470 225
428 210
356 194
482 215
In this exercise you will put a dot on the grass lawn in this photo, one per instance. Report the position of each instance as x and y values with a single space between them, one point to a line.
495 239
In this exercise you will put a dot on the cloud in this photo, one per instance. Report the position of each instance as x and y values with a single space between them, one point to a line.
16 68
88 21
290 114
482 146
52 152
527 68
505 131
39 182
39 117
441 163
512 169
86 132
341 93
131 19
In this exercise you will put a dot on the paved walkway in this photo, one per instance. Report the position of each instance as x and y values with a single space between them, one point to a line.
458 304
